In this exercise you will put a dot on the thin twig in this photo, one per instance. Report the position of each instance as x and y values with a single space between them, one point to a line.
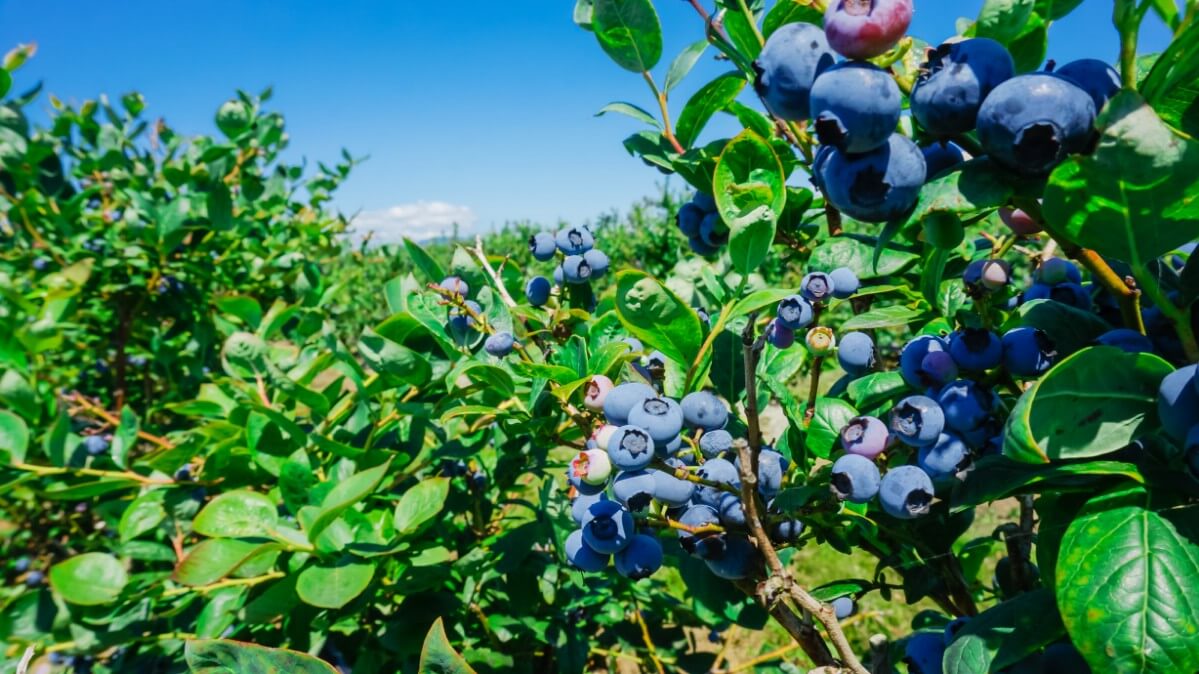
649 642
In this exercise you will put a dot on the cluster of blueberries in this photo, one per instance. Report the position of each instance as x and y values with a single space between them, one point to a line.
678 454
799 311
1178 408
702 225
581 260
464 314
1026 123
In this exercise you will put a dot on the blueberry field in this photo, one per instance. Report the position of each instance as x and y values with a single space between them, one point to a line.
898 375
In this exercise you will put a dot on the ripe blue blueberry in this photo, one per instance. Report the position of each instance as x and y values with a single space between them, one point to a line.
816 287
702 545
941 157
581 555
34 579
543 246
598 260
699 247
1055 270
688 219
634 489
795 312
715 443
574 240
856 106
622 399
720 471
500 344
607 527
865 436
1031 122
576 270
843 607
787 67
705 201
1036 291
1072 294
856 353
917 421
1028 352
876 186
1178 401
845 282
955 81
779 335
938 368
1190 449
703 409
736 561
631 448
21 565
855 479
1098 79
976 349
730 510
967 405
948 456
923 653
40 264
95 444
818 162
559 276
861 29
713 232
953 627
787 531
1064 657
771 467
1129 341
641 558
583 502
672 491
661 417
906 492
455 285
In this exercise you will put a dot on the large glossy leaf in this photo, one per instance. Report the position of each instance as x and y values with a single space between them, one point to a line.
1137 196
657 317
237 513
998 477
14 436
125 438
750 195
791 11
90 579
1070 329
335 584
1128 588
1005 634
384 355
428 266
978 186
222 656
875 388
344 495
1002 20
437 656
831 416
144 514
215 558
629 31
1095 402
420 504
843 251
710 99
893 316
683 63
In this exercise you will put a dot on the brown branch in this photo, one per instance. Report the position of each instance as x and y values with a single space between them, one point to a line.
98 411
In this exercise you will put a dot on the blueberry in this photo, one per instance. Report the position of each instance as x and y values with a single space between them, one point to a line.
1063 657
1178 401
1055 270
21 565
1190 448
631 448
1019 221
705 202
818 162
576 270
184 474
861 29
779 335
591 467
856 353
856 106
815 287
730 510
938 367
1129 341
634 489
788 531
876 186
976 349
688 219
703 409
713 232
559 276
602 435
672 491
906 492
771 467
537 291
95 444
598 260
967 405
843 607
955 81
596 391
455 285
865 436
1028 352
917 421
40 264
923 653
1031 122
581 555
736 561
787 67
845 282
702 545
947 457
795 312
953 628
583 502
500 344
855 479
622 399
635 344
661 417
720 471
607 527
641 558
574 240
1036 291
699 247
715 443
1072 294
34 579
941 158
1098 79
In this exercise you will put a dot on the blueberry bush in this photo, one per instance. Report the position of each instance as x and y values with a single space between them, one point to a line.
921 281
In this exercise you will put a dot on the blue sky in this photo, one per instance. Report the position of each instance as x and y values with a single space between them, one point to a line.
480 112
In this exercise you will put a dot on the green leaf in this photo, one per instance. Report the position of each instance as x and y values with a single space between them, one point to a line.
220 205
629 32
14 436
657 317
236 514
710 99
977 187
214 558
90 579
758 300
333 585
1177 67
1063 7
875 388
741 31
842 251
1137 197
750 196
420 504
630 110
998 477
344 495
125 438
222 656
18 394
791 11
244 307
683 63
1003 20
144 514
893 316
1127 583
1097 401
1005 634
1030 46
825 430
1070 329
428 267
437 656
385 356
5 82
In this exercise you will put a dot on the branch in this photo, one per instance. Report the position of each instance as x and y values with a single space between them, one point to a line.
661 96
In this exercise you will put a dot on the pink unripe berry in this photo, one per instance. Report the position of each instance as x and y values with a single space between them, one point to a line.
862 29
602 435
592 466
1019 222
596 391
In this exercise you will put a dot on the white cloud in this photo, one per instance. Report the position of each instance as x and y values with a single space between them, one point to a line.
417 221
